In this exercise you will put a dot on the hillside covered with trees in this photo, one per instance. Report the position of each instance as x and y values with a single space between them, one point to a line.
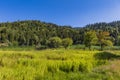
33 32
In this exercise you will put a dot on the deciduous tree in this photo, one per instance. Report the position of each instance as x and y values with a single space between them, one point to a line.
90 39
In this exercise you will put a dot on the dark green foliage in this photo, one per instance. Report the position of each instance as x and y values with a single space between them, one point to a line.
33 32
118 40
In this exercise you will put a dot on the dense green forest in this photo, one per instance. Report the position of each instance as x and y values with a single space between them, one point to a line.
33 32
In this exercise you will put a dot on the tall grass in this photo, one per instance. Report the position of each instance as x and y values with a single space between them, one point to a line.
53 64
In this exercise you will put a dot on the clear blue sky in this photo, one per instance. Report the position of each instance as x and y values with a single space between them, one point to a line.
62 12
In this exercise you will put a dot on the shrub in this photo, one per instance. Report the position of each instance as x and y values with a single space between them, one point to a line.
54 42
67 42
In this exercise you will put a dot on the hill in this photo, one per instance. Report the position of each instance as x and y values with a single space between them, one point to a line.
113 28
34 32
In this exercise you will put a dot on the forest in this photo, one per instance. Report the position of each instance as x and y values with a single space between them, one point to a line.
37 33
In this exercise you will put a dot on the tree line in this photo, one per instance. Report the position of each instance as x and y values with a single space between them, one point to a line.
34 33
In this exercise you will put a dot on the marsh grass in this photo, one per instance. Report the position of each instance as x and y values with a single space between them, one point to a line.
55 64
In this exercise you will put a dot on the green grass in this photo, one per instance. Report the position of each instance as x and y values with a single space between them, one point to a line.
58 64
82 47
17 48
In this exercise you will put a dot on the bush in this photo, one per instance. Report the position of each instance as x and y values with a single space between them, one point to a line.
54 42
67 42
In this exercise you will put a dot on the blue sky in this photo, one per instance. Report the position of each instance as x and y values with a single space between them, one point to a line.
77 13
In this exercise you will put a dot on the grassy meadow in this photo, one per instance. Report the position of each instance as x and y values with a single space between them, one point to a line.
58 64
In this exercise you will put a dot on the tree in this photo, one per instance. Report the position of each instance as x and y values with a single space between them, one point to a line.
90 39
54 42
118 41
104 39
67 42
115 35
33 32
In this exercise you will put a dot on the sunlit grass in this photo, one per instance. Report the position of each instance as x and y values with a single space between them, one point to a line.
51 64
